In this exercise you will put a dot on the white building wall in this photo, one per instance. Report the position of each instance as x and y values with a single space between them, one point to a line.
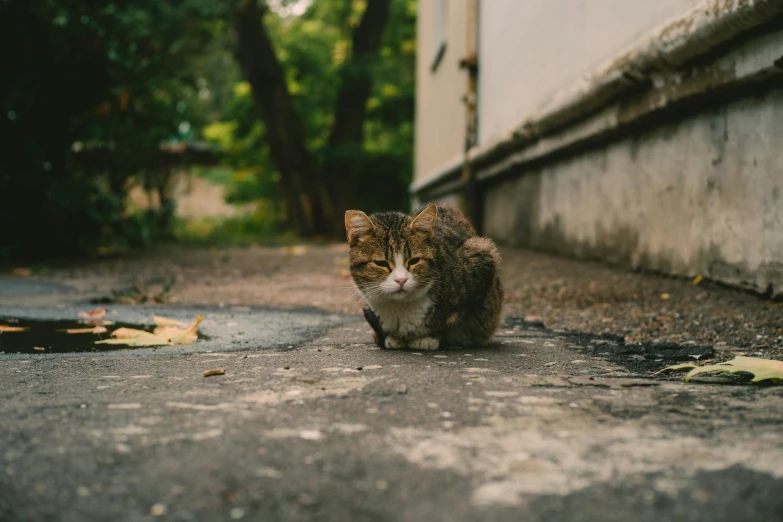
529 49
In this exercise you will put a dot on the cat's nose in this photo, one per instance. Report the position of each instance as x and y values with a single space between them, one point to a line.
401 280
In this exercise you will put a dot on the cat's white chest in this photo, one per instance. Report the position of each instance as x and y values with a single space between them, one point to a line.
403 319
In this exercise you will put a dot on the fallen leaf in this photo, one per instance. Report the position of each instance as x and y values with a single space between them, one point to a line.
165 321
4 328
22 272
216 371
131 337
126 333
163 336
665 296
345 273
685 366
761 369
698 279
95 330
93 315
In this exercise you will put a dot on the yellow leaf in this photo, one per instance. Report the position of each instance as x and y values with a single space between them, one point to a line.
5 328
163 335
98 313
141 339
761 369
96 330
165 321
665 296
697 279
685 366
125 333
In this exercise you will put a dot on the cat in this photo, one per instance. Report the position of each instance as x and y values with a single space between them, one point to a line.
428 280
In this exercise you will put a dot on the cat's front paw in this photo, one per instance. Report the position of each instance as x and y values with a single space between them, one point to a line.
393 343
425 343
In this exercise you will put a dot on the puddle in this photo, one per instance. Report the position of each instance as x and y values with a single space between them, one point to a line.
49 336
643 358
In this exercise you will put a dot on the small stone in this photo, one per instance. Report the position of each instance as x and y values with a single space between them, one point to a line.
381 485
237 513
310 435
373 367
446 414
551 363
401 389
158 510
83 491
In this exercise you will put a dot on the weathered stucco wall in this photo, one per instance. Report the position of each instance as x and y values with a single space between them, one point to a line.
530 49
440 113
696 196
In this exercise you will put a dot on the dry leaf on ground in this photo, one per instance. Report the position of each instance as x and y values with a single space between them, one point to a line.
685 366
93 315
163 336
4 328
761 369
165 321
216 371
95 330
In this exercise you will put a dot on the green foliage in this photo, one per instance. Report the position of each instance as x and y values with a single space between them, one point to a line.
313 49
90 90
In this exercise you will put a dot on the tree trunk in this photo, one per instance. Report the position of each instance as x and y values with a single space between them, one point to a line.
346 138
316 199
284 130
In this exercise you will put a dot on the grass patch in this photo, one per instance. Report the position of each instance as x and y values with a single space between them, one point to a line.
254 228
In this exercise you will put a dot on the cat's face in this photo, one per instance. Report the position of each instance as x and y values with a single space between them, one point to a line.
391 255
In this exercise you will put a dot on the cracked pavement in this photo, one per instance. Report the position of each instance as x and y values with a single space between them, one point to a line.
316 423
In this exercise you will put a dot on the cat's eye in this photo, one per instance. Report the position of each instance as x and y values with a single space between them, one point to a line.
382 264
413 261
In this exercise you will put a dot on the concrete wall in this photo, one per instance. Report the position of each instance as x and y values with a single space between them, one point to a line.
529 49
440 113
697 196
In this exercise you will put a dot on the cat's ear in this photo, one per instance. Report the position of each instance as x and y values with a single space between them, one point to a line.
425 221
357 223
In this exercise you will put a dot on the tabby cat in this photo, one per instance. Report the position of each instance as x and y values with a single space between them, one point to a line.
428 280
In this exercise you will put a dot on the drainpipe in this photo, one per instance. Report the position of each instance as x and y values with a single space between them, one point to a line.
471 203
